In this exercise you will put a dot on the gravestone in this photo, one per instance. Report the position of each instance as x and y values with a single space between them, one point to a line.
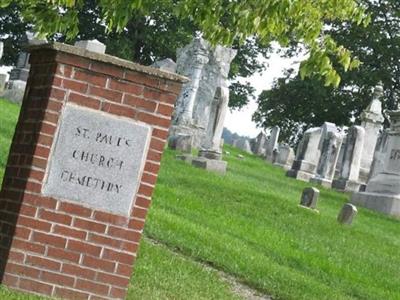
166 65
307 156
19 75
258 145
285 157
271 146
81 171
181 142
372 121
91 45
340 157
329 145
3 81
351 160
309 197
347 214
382 192
379 154
1 49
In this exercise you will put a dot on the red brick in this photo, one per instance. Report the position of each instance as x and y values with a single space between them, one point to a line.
22 270
122 110
65 293
103 240
90 78
33 223
171 86
110 95
149 178
41 151
152 94
57 94
39 201
153 120
136 224
130 247
76 86
63 254
139 212
59 279
17 257
165 110
156 144
75 209
39 162
55 217
98 264
54 105
22 233
83 247
92 287
140 103
50 117
141 78
145 190
118 293
151 167
126 87
113 280
26 210
107 69
154 156
84 101
110 218
10 280
35 286
90 225
49 239
78 271
162 134
118 256
43 263
125 234
69 232
64 70
28 246
124 270
73 60
33 187
142 202
168 98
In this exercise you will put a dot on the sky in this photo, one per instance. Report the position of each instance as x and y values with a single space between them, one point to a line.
240 121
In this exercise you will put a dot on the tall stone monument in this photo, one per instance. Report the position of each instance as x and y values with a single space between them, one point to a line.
272 145
307 156
379 155
19 75
372 120
351 160
382 192
81 171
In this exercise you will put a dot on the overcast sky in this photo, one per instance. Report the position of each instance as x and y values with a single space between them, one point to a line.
240 121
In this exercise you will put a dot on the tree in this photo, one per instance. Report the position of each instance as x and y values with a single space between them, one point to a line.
296 105
222 21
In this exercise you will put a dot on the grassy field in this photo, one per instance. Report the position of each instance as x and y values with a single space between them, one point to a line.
248 224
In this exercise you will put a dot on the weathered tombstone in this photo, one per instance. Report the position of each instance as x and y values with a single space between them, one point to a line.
347 214
81 171
309 197
166 65
307 156
19 75
92 45
272 144
181 142
3 80
329 146
340 157
372 121
379 155
350 170
242 144
259 143
285 157
382 192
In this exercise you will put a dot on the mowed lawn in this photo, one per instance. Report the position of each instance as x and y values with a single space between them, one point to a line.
248 224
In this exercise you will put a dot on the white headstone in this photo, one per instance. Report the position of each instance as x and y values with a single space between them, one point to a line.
272 143
166 65
92 45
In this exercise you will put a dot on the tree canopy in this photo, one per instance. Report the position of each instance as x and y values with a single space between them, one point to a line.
295 105
221 21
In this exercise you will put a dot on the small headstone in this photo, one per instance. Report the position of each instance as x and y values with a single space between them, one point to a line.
309 197
227 153
181 142
240 156
347 214
166 65
92 45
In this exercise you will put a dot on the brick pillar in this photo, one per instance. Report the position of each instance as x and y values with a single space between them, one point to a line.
68 247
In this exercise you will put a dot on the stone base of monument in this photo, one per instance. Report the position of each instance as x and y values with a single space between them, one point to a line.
299 175
197 133
185 157
210 154
213 165
346 185
181 142
285 167
386 203
322 181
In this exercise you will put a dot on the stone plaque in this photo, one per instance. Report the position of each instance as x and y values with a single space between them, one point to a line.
97 159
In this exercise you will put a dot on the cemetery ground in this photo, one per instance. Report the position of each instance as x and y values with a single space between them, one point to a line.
248 224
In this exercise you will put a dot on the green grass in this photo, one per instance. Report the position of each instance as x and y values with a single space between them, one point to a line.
248 224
